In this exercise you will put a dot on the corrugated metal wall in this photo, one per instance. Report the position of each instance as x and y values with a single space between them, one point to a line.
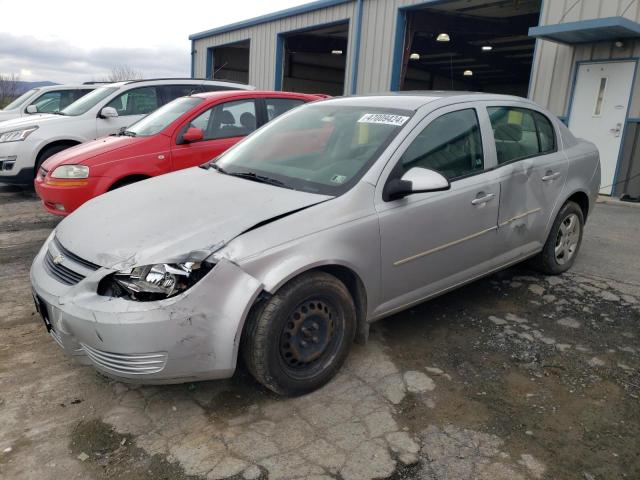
553 69
554 65
262 55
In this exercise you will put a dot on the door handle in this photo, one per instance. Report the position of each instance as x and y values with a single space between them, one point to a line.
616 131
550 176
482 200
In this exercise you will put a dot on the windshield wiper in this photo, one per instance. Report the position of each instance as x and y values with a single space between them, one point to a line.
128 133
57 113
260 178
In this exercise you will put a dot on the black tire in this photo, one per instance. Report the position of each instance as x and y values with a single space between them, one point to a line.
46 153
547 261
124 182
295 341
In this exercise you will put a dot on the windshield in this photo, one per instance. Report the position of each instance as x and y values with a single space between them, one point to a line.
87 102
316 148
21 99
164 116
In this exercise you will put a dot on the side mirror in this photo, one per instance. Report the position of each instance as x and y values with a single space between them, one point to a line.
32 109
108 112
416 180
192 134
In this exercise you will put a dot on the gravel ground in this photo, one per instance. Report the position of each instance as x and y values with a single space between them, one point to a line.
516 376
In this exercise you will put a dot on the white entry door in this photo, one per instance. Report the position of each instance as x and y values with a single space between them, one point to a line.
599 110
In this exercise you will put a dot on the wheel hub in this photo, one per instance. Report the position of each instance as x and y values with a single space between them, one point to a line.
568 239
307 333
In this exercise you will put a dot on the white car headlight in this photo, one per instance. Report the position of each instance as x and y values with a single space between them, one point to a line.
16 135
71 171
153 282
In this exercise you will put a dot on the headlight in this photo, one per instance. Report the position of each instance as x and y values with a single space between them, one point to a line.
153 282
70 171
16 135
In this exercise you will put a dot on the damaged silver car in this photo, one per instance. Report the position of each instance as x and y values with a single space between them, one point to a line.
333 216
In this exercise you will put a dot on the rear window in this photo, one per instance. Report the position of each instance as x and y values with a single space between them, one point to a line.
278 106
520 133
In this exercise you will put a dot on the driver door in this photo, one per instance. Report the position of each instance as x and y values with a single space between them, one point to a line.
433 241
131 106
223 126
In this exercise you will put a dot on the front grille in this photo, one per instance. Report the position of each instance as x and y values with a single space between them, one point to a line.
73 257
60 272
128 364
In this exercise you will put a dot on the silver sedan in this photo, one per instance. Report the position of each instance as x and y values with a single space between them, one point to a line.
333 216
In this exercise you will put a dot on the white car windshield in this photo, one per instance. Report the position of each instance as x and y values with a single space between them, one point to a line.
87 102
163 117
21 99
320 148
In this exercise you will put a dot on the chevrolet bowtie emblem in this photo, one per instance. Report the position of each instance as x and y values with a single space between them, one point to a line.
58 259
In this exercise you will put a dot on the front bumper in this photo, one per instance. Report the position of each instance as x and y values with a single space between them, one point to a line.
193 336
16 163
62 200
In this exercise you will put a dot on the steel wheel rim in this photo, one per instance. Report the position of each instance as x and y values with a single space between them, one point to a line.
568 239
310 337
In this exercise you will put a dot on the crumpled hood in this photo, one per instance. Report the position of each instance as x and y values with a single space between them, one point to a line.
83 152
164 218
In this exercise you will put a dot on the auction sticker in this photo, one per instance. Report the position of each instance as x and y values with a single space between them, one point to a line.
384 118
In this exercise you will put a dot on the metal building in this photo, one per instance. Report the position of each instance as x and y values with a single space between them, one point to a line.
579 58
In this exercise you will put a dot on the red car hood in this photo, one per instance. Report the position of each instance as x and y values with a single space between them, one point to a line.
81 154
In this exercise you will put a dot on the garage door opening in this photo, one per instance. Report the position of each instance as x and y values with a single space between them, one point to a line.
231 62
314 61
470 45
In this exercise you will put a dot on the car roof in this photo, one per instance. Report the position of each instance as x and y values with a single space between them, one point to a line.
222 94
182 81
413 100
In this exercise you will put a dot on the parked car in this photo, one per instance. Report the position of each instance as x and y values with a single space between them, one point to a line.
183 133
49 99
25 143
336 214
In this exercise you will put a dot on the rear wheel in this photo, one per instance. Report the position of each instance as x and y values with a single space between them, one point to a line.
562 245
296 341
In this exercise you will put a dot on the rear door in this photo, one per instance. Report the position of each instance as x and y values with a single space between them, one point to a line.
432 241
532 171
131 106
223 125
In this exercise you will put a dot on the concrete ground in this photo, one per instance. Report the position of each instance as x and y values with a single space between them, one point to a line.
517 376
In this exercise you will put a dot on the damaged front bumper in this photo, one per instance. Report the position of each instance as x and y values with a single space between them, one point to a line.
192 336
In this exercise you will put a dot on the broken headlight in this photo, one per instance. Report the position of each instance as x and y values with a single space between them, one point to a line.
153 282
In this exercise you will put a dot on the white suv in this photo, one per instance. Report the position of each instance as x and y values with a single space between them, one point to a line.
27 142
47 99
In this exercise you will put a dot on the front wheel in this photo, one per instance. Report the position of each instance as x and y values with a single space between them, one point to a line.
562 245
295 341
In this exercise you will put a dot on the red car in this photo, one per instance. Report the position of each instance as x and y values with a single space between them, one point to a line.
186 132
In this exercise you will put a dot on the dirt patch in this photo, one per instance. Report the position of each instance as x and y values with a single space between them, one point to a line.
108 454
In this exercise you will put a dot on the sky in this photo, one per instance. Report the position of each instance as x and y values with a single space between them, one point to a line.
69 41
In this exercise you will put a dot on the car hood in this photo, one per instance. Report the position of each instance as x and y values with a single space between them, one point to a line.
80 154
8 115
30 120
165 218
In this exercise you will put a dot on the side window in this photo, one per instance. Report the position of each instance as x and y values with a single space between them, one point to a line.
450 144
80 93
278 106
231 119
520 133
171 92
48 102
137 101
546 133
